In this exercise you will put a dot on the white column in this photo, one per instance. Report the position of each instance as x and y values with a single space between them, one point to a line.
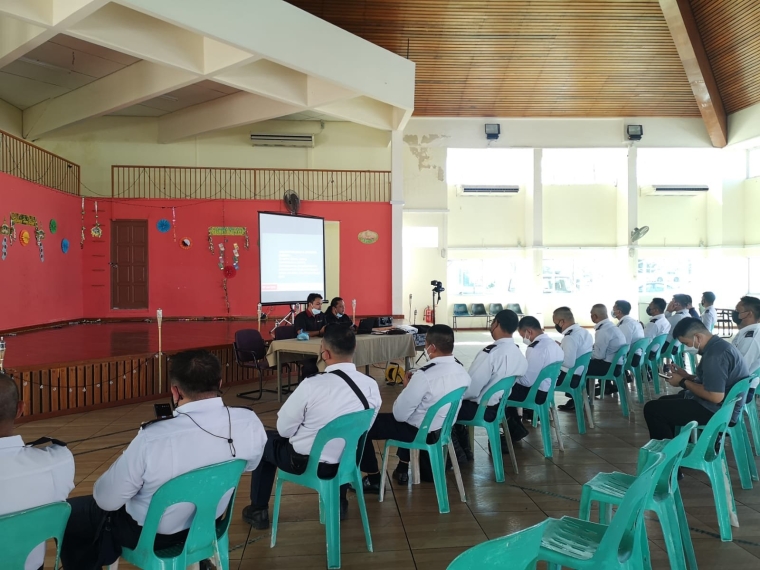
534 238
628 220
397 222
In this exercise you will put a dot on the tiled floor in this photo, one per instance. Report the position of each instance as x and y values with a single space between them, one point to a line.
407 530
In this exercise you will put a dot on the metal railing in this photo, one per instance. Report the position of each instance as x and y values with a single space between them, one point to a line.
29 162
179 182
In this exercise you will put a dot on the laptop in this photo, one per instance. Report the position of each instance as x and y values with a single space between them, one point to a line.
366 326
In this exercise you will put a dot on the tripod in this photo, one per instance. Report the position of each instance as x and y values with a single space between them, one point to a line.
288 319
435 303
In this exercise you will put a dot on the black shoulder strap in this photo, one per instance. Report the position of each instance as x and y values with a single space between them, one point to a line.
750 334
151 422
534 343
44 440
353 386
489 348
457 361
568 332
427 366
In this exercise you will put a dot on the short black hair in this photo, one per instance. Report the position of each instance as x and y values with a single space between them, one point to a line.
530 323
689 327
339 339
313 297
681 299
9 398
564 313
507 320
709 296
195 371
660 303
752 304
335 301
624 306
442 336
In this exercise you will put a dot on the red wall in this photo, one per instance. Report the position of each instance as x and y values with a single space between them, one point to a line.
34 292
189 282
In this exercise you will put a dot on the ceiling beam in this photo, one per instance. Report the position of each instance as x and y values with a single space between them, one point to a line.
683 29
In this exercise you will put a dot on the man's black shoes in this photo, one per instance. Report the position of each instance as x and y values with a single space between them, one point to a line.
257 518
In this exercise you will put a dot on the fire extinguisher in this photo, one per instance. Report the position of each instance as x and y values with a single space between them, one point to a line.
428 314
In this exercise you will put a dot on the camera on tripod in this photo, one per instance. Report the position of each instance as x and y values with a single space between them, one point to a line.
437 286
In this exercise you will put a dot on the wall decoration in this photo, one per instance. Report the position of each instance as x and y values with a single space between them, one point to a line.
367 237
227 231
174 224
163 225
65 245
96 231
23 237
5 231
229 272
221 256
9 233
53 225
186 243
235 256
81 241
23 219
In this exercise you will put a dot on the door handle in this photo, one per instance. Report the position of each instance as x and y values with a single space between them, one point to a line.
112 264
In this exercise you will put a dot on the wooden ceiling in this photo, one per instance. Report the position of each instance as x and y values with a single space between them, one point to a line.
730 31
528 58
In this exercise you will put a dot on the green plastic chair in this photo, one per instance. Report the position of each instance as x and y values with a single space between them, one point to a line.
546 411
578 394
617 380
609 489
572 543
503 386
751 410
638 371
652 359
435 450
702 456
207 537
352 429
23 531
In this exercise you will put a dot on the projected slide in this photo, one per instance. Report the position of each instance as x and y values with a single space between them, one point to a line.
292 258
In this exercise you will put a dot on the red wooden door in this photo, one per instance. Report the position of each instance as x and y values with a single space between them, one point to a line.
129 264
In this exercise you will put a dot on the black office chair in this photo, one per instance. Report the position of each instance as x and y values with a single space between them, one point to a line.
479 310
250 352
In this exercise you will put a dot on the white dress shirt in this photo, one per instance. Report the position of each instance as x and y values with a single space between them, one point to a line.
747 341
709 318
576 341
657 325
32 477
165 449
319 400
499 360
631 329
673 319
427 385
542 352
607 341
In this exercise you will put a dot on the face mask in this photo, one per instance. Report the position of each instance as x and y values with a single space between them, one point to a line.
649 311
701 307
559 328
339 315
736 318
315 312
692 349
527 341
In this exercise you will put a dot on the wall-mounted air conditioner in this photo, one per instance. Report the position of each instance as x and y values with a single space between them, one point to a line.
467 190
673 190
298 141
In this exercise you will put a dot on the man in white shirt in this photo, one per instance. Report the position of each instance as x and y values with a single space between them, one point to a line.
576 341
29 476
678 309
709 315
422 389
201 432
499 360
658 324
747 341
607 341
631 329
317 401
542 351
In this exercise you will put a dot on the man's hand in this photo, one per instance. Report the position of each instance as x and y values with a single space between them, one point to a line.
408 377
670 307
674 380
682 373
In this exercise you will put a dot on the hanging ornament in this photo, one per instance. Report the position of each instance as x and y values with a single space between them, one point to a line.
5 231
39 235
229 272
226 295
221 256
163 225
210 242
174 224
65 245
53 226
247 242
81 241
186 243
96 231
24 238
13 231
235 256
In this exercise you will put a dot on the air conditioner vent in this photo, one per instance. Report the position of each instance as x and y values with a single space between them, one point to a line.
488 190
298 141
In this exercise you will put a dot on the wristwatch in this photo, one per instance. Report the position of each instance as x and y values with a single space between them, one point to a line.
682 383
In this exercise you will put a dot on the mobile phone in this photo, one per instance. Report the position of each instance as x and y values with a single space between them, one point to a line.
163 411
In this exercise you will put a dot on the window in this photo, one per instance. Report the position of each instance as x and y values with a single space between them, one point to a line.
489 166
420 236
584 166
754 162
678 166
666 276
492 278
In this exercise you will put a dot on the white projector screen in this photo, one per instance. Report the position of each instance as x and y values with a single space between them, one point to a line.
292 258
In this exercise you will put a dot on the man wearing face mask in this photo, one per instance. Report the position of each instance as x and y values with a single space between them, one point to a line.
336 313
422 389
630 327
747 340
678 309
709 315
315 403
576 341
720 367
501 359
607 341
311 321
542 351
201 432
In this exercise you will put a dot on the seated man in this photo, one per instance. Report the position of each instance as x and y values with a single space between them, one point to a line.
720 367
542 351
422 389
709 314
202 431
658 325
29 476
747 340
678 309
312 322
607 341
630 327
576 341
501 359
316 402
336 313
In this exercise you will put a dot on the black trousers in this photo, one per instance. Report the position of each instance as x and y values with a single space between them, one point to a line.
667 412
94 537
387 427
279 454
518 394
469 407
598 367
574 381
668 349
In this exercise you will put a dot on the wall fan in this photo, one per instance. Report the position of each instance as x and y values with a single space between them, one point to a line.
292 201
639 233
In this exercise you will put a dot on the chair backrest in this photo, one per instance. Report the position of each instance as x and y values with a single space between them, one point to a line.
204 488
515 307
641 345
352 429
619 355
667 475
451 399
504 385
478 309
495 308
583 360
619 540
718 424
284 332
739 389
24 530
657 341
550 372
460 309
249 346
516 551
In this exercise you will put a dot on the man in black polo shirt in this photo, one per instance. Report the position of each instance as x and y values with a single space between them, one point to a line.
312 320
720 368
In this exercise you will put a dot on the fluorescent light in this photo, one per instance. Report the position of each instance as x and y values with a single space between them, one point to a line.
39 63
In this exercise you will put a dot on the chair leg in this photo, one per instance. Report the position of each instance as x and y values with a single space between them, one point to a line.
363 509
587 409
579 410
668 516
276 511
438 464
754 424
510 446
458 472
546 430
245 395
332 524
492 430
584 513
383 473
554 420
415 466
721 492
740 454
639 384
683 524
